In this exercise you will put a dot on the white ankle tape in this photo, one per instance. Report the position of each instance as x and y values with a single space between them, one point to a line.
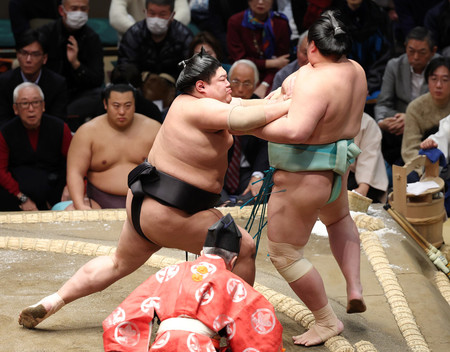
54 301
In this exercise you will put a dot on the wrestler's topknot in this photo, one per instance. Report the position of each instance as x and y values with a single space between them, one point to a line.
330 35
200 66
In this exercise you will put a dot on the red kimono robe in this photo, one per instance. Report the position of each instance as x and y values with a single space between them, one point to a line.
203 290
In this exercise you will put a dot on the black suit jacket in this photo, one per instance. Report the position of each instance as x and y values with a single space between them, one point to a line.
52 84
255 151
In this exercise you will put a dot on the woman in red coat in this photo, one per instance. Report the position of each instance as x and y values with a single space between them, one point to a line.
262 36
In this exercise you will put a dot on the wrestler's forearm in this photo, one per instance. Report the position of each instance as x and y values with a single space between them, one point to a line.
246 118
282 131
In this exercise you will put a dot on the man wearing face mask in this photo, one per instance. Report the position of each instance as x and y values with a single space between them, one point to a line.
156 44
75 52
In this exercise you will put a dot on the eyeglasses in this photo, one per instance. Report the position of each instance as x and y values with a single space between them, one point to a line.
237 83
26 104
33 54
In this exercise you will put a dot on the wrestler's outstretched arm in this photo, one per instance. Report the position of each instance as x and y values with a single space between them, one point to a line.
240 115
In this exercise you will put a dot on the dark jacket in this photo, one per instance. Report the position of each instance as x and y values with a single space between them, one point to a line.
53 86
138 48
372 40
255 152
40 173
90 74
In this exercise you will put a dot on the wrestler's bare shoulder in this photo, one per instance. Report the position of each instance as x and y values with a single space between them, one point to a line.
91 129
146 122
190 105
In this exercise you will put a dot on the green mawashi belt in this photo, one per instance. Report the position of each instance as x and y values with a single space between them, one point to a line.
335 156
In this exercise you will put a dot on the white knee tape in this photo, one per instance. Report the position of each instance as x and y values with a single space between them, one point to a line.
288 260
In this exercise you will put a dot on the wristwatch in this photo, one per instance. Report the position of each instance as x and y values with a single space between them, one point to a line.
23 198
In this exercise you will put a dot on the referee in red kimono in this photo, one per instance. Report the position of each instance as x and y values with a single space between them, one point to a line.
197 303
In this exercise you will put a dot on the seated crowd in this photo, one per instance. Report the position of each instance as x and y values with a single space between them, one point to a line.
105 125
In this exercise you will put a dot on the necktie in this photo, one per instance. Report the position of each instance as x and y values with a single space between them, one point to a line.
232 183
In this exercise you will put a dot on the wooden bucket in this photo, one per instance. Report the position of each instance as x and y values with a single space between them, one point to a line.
426 212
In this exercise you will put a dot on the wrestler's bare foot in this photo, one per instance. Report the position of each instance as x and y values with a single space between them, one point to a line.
355 302
318 334
327 325
356 305
33 315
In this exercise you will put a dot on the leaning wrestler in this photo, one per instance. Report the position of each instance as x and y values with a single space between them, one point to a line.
176 190
328 99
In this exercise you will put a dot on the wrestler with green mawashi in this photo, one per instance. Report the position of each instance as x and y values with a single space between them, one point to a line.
310 152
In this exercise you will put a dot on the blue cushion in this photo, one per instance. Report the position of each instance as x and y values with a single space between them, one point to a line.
107 34
6 36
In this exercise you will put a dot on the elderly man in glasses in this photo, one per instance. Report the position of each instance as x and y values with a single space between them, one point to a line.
247 158
33 150
32 56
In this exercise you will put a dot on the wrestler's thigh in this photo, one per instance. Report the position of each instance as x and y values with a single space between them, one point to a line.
132 250
295 203
335 211
172 228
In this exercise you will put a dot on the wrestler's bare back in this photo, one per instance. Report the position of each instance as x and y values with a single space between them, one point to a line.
115 153
341 89
186 149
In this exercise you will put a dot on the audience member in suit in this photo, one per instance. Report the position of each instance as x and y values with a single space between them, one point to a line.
33 150
253 158
302 59
75 52
403 81
32 56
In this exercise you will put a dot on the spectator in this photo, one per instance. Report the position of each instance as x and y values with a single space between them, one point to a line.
33 150
32 56
368 174
211 46
125 13
262 36
305 12
403 81
23 12
370 32
121 138
75 52
411 13
220 12
424 113
156 44
200 14
144 106
192 297
247 157
302 59
437 20
209 43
